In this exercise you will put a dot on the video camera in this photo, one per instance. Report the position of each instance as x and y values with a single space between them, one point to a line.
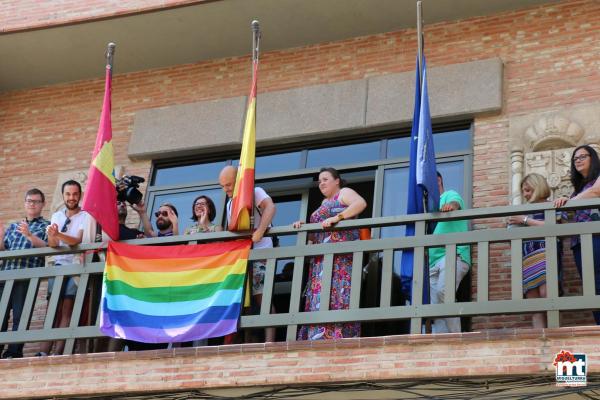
127 189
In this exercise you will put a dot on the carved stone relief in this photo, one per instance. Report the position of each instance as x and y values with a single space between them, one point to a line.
544 142
554 166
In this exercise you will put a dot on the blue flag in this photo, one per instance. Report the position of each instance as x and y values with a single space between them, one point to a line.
422 180
414 203
426 170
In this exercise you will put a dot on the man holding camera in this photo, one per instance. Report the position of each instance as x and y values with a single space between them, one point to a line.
166 217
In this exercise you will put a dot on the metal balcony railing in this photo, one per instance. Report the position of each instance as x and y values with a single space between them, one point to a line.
363 250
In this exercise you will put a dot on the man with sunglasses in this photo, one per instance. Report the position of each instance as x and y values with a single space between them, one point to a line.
167 222
69 226
25 234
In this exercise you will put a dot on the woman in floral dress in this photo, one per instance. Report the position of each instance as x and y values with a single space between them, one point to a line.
340 203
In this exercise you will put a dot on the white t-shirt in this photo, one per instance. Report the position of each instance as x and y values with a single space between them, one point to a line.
82 221
259 196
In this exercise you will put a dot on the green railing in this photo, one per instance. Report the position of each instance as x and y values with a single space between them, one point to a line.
381 250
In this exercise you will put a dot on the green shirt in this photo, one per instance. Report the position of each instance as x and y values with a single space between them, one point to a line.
464 252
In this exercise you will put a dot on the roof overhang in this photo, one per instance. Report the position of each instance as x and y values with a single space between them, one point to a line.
211 30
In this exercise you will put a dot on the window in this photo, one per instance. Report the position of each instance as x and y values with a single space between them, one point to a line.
290 177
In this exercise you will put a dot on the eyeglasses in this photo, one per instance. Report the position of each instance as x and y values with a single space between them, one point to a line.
580 157
34 202
159 213
201 203
66 225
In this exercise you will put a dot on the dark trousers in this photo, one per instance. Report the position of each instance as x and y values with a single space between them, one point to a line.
577 254
15 303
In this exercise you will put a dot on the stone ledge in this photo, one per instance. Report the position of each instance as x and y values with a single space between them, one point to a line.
301 114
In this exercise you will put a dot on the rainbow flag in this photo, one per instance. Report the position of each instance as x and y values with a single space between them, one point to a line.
159 294
242 201
100 197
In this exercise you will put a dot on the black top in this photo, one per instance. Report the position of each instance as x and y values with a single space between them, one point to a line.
126 233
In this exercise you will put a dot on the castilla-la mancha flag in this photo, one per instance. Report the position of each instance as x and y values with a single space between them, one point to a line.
100 199
242 201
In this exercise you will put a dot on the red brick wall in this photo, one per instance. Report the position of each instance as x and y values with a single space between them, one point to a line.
525 353
18 15
551 56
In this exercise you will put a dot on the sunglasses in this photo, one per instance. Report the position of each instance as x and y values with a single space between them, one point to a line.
159 213
66 225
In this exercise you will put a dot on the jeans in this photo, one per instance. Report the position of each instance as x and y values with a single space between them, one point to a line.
16 303
437 288
577 254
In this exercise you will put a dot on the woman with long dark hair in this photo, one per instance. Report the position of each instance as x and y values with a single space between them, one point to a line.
585 170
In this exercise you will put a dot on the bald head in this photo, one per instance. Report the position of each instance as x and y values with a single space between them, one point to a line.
227 179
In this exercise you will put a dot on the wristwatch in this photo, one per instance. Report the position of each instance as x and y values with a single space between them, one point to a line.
525 220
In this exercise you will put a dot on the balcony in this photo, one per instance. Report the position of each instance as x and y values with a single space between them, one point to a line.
483 352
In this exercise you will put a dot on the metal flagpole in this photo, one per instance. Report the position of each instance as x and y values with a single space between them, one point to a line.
426 327
420 45
420 41
110 52
255 43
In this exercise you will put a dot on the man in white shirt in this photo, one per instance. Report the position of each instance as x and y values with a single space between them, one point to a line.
68 227
264 211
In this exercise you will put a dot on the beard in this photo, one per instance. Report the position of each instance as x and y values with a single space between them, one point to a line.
71 206
163 224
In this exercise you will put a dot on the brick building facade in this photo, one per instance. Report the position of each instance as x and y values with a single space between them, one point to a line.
550 55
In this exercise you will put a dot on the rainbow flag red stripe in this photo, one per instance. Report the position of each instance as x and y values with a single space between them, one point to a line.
158 294
242 201
100 197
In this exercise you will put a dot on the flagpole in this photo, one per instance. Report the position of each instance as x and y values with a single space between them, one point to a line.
110 52
255 42
420 40
420 43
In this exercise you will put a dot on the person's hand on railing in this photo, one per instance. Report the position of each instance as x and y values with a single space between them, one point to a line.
298 224
329 222
516 220
450 206
560 202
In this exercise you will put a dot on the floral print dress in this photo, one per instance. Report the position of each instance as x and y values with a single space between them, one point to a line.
340 280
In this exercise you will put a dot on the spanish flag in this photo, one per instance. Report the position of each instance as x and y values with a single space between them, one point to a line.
100 199
242 201
158 294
